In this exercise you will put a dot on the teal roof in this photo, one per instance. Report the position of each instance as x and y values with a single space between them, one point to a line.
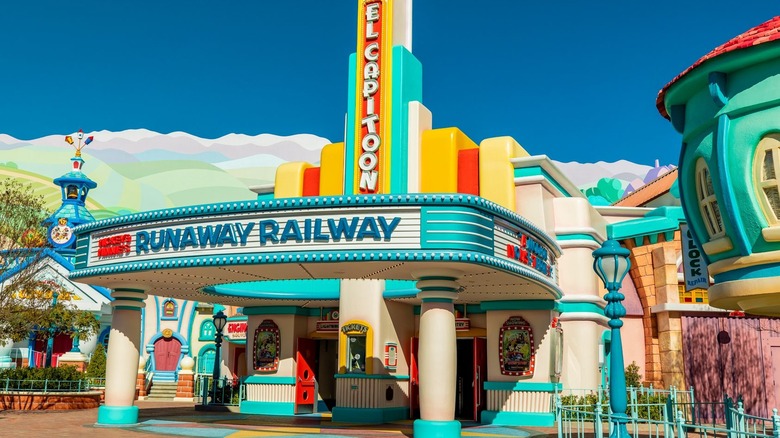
662 220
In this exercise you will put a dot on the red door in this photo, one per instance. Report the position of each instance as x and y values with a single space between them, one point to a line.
414 382
306 378
480 373
166 354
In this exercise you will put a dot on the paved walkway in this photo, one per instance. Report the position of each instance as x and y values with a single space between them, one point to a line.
181 419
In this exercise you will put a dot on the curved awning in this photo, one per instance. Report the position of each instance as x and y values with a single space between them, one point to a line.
194 252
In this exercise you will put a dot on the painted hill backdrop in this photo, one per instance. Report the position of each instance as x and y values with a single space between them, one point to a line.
140 170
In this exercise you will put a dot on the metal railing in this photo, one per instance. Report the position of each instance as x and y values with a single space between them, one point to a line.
12 385
665 413
227 391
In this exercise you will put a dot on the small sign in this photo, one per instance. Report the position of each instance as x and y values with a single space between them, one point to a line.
391 355
236 330
516 348
267 346
694 266
462 324
327 326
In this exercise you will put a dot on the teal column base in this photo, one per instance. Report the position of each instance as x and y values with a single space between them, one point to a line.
505 418
436 429
369 415
117 416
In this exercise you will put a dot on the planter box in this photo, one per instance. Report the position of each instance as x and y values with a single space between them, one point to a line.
40 401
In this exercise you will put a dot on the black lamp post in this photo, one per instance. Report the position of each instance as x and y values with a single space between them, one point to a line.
611 265
219 323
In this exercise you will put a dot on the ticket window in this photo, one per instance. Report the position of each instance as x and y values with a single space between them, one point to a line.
356 353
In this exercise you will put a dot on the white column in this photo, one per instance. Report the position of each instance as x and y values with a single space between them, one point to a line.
122 358
437 357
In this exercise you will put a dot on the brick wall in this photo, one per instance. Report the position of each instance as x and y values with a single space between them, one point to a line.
41 402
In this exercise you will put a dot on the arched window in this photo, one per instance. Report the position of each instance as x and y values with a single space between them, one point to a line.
708 203
207 331
206 359
766 165
169 309
103 337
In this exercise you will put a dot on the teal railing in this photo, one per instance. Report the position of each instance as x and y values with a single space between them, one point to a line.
664 413
10 385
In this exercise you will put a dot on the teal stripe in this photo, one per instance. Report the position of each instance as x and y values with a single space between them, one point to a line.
270 380
280 310
349 141
523 386
119 289
577 237
518 305
731 207
538 171
406 87
749 273
437 300
370 415
579 307
127 308
267 408
371 376
504 418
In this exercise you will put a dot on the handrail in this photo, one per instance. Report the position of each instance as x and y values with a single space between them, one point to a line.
47 385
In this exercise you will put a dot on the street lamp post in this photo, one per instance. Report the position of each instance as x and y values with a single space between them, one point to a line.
219 323
611 265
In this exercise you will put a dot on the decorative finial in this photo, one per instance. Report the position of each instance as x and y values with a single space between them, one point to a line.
80 136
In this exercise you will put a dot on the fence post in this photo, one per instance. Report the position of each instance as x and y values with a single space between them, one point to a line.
633 401
680 425
775 424
741 427
559 414
598 432
669 416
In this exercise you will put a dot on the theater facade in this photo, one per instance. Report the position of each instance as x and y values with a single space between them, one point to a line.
412 273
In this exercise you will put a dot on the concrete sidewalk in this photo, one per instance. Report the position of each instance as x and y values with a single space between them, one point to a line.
181 419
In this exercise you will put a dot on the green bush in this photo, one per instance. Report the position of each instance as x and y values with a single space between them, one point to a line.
633 378
58 373
97 363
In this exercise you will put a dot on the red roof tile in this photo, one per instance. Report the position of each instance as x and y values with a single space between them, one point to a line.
763 33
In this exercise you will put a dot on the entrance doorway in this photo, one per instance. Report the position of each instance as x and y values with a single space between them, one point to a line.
166 354
470 377
316 367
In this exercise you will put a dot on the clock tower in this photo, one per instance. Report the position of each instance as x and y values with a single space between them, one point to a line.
75 186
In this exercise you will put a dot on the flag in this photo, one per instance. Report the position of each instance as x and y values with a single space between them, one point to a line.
88 140
69 139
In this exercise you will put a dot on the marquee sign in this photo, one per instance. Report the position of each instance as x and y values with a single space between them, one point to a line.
520 246
260 232
370 94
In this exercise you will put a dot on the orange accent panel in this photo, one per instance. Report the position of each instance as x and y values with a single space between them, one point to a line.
311 181
468 171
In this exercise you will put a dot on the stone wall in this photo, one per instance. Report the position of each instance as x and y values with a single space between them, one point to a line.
646 273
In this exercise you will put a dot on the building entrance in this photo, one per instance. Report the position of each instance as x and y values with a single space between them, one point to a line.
470 376
316 366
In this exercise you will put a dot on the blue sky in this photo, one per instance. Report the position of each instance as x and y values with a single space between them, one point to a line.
574 80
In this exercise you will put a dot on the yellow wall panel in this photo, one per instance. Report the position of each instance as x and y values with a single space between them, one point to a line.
332 170
496 173
439 159
289 179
